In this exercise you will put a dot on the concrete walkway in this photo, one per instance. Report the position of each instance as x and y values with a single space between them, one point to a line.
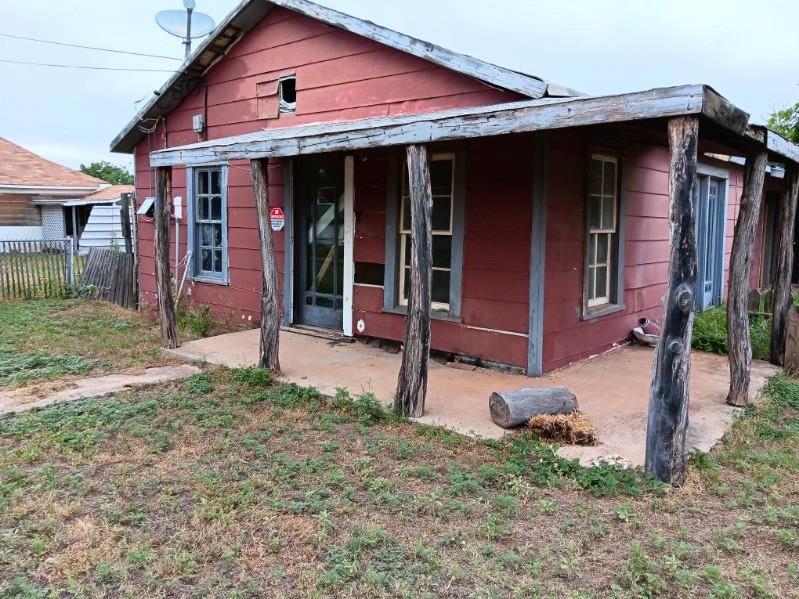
612 389
24 398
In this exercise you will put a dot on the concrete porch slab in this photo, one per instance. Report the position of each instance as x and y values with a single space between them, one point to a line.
612 389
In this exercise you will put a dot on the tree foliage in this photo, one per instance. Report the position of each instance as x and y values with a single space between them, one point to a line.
786 122
110 173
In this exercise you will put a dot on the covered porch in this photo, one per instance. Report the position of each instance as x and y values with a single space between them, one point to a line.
666 117
457 397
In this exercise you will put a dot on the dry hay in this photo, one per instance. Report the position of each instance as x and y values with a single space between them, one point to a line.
571 429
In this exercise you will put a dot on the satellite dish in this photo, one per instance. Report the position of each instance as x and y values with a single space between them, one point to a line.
186 25
175 22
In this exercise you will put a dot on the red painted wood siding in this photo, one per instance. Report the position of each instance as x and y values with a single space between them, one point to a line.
496 253
567 336
339 76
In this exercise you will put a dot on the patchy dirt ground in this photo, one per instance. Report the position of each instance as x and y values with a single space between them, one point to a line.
228 484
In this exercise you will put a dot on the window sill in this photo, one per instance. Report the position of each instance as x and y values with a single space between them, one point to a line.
209 280
599 311
434 314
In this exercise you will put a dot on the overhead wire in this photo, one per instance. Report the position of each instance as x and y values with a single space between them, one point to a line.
96 48
92 68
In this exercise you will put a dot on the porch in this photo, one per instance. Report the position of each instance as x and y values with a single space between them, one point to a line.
457 399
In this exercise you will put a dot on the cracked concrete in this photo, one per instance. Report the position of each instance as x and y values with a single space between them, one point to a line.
25 398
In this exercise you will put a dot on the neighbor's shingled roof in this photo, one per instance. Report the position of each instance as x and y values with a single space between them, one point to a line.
19 166
110 193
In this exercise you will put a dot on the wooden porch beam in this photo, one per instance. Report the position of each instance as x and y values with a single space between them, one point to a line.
270 302
782 277
163 212
740 343
412 380
462 123
669 393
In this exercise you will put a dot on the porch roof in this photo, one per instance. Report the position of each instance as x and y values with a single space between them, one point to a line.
481 121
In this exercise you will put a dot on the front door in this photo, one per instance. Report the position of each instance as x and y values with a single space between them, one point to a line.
319 201
710 239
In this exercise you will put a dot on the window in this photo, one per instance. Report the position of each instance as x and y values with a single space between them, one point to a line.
602 232
287 87
442 178
208 234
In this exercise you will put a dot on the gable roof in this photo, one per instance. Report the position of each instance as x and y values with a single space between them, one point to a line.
247 14
21 167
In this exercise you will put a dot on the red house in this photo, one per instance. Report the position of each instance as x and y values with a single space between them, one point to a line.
550 219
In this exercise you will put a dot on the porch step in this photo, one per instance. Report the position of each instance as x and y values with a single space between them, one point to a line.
311 331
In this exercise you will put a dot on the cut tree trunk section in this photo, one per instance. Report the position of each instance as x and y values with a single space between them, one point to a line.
782 277
510 409
163 212
668 396
739 341
412 380
270 304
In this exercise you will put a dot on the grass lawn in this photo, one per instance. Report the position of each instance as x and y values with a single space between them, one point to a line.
49 339
229 484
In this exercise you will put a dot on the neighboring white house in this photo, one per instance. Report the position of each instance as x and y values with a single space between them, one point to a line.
40 199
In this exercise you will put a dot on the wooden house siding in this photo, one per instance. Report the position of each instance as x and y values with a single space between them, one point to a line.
339 76
19 211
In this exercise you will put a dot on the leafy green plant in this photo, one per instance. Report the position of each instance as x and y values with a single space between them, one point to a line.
710 332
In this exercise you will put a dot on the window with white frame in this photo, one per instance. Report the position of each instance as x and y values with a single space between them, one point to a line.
602 230
442 178
209 238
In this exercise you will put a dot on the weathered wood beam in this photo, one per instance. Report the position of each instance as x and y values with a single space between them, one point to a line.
521 83
412 380
462 123
782 277
270 298
739 341
163 212
669 393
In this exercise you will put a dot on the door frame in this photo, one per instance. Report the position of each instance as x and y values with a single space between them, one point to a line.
290 240
705 170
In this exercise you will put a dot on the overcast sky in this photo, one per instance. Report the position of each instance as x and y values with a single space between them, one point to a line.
747 50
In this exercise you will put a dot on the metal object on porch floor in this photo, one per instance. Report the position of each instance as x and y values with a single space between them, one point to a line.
510 409
647 332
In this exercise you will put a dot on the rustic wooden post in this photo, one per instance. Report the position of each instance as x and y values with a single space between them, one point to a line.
124 213
163 211
270 303
412 381
739 341
782 276
668 395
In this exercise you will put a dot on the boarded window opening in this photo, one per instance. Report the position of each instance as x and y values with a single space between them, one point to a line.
287 87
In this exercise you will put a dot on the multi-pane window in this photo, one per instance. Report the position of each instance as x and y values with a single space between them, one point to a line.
442 178
209 234
602 229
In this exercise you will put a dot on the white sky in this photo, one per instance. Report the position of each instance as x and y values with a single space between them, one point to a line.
747 50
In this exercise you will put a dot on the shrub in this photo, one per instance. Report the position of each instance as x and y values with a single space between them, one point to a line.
200 321
710 332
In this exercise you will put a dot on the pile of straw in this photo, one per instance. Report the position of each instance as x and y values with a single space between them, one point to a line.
568 429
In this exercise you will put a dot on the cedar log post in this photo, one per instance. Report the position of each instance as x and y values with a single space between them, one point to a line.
163 212
668 394
412 381
782 277
739 342
270 304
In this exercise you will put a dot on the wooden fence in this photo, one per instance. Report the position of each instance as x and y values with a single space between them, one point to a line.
110 275
37 269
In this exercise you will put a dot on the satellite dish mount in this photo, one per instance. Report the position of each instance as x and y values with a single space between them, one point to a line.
190 25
